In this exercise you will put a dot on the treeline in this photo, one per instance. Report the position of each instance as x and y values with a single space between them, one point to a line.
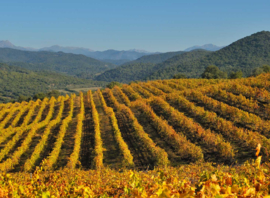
213 72
16 81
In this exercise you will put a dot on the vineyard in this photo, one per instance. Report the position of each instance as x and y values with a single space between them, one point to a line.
143 126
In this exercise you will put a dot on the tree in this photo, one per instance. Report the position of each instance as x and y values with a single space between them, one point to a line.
53 93
266 68
113 83
40 96
213 72
235 75
179 76
24 98
259 70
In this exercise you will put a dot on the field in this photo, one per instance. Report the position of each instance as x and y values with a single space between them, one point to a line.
143 130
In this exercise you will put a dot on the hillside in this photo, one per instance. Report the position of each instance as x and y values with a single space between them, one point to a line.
121 128
71 64
127 73
145 66
17 81
175 62
156 58
201 130
244 55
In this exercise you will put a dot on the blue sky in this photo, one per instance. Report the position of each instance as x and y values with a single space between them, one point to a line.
151 25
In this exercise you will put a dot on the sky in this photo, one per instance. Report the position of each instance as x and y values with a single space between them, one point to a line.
152 25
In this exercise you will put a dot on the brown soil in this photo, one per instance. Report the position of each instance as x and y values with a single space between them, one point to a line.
112 155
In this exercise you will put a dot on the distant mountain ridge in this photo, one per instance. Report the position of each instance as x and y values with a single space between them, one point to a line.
109 55
67 63
8 44
209 47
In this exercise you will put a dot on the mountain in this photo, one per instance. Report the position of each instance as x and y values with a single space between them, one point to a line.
71 64
209 47
8 44
117 62
156 58
127 72
74 50
17 81
145 66
100 55
112 56
160 70
118 55
243 55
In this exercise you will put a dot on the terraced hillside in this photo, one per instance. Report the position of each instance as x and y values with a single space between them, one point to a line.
142 125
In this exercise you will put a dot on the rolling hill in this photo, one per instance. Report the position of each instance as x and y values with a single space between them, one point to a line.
67 63
243 55
141 140
156 58
143 67
16 81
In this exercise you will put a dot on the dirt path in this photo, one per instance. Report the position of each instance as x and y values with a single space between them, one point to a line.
111 153
88 138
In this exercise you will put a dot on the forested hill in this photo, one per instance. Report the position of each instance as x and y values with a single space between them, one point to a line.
16 81
141 69
71 64
127 73
156 58
174 62
244 55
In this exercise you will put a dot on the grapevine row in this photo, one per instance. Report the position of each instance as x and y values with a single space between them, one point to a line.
164 88
239 100
9 131
130 92
213 141
174 85
235 114
78 136
53 156
142 91
6 109
10 114
14 160
153 89
252 139
122 95
98 160
30 163
22 111
160 156
128 158
184 147
248 91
